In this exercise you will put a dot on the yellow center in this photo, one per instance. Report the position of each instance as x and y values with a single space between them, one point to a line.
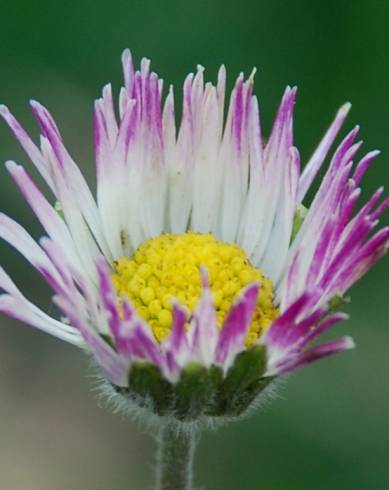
167 267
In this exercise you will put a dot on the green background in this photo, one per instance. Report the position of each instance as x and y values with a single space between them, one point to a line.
329 428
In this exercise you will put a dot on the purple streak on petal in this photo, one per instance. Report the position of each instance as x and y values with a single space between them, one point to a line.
28 145
363 165
78 291
137 93
128 310
70 179
348 206
287 320
172 366
321 251
345 151
48 217
365 210
345 238
147 101
380 209
108 296
285 353
323 327
114 366
339 165
176 346
177 339
21 240
56 283
292 276
380 238
317 353
235 326
315 162
300 330
14 303
349 246
50 130
362 261
22 310
60 262
361 217
144 346
45 120
282 124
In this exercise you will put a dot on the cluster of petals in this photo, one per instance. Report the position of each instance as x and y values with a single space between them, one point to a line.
207 175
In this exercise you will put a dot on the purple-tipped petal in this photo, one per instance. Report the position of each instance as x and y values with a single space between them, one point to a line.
142 345
15 305
235 326
108 296
318 352
203 332
28 145
314 164
114 366
215 176
281 327
177 338
324 325
363 165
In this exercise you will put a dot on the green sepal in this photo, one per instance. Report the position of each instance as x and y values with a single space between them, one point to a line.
298 219
200 391
194 391
243 382
147 383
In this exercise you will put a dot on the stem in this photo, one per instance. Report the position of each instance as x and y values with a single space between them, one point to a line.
175 459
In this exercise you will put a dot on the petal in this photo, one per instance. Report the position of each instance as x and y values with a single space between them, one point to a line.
316 353
235 327
114 366
203 332
15 305
29 146
315 162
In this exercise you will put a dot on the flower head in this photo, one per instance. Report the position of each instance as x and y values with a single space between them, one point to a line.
196 276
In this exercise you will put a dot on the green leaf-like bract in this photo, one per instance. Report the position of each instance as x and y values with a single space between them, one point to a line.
201 391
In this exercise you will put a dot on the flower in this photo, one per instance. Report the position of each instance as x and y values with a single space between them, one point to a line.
197 276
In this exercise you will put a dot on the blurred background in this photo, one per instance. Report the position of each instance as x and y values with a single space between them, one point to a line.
329 429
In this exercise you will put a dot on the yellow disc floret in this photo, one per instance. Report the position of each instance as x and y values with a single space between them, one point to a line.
167 267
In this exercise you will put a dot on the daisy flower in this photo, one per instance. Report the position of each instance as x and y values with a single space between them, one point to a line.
195 275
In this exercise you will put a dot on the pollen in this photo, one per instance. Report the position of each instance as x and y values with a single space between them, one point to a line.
168 267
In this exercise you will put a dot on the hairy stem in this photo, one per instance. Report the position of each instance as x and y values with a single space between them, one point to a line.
175 459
